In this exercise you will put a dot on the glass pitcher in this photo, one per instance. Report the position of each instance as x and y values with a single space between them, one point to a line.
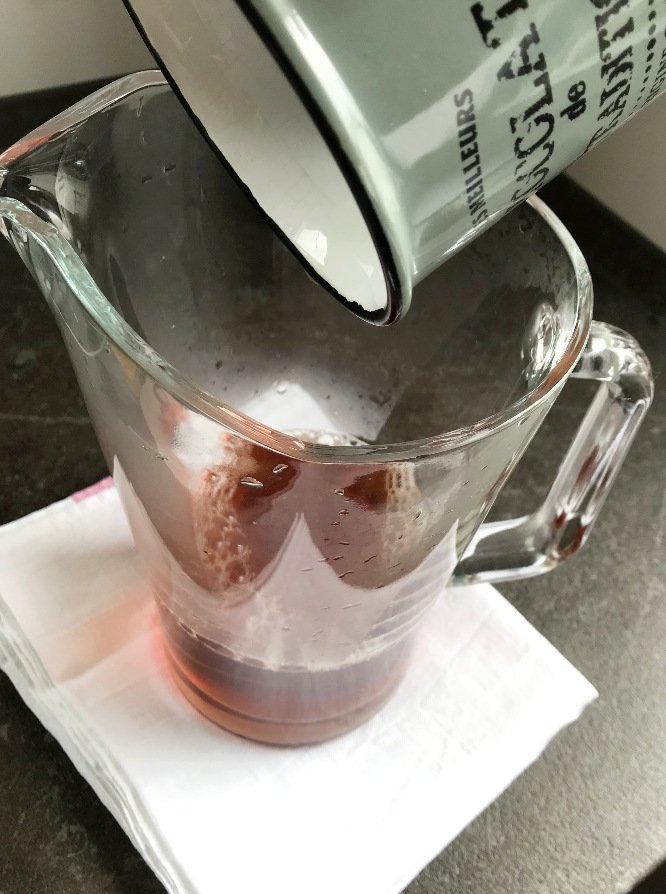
300 485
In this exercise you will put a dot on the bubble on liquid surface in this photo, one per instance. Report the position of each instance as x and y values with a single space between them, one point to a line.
249 481
327 439
279 468
281 387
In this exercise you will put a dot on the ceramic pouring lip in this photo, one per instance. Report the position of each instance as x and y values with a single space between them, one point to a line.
397 299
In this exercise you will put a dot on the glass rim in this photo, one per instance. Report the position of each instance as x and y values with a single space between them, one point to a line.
190 394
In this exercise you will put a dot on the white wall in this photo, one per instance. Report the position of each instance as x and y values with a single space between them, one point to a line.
44 43
627 172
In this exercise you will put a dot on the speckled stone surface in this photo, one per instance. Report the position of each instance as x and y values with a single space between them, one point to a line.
590 816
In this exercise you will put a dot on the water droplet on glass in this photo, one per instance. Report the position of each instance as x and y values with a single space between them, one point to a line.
280 387
146 178
539 343
525 225
249 481
279 468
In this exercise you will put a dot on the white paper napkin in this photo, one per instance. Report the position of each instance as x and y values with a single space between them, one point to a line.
214 813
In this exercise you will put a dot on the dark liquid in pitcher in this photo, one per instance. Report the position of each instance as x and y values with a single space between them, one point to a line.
285 707
243 515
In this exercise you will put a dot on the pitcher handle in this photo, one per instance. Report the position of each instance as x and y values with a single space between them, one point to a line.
524 547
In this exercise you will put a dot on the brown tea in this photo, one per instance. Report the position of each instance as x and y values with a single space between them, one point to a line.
285 616
285 707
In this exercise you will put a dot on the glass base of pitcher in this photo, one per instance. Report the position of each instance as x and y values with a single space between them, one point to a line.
283 707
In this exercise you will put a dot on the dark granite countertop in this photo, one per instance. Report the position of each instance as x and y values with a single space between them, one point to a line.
590 816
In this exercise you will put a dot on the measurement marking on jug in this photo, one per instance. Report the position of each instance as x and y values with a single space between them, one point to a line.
351 604
344 574
306 569
279 468
369 559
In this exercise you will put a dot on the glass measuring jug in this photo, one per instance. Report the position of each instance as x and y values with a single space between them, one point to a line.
300 493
